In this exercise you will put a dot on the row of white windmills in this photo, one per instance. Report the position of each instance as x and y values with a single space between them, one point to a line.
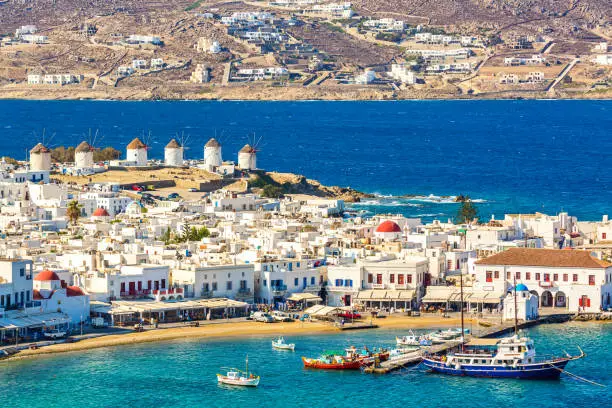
137 154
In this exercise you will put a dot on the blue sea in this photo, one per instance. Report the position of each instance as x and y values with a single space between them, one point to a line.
509 156
182 374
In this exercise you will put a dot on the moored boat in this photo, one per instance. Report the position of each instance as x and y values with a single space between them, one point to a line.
511 357
280 344
413 341
240 378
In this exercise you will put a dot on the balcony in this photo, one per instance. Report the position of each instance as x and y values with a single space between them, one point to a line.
168 294
334 288
206 294
278 290
244 294
134 294
546 284
312 289
379 286
400 286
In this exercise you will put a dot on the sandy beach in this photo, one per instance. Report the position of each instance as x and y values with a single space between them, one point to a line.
233 330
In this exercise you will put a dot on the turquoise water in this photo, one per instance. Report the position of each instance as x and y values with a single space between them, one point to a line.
182 374
512 156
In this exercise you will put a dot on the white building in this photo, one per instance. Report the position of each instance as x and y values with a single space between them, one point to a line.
208 45
276 280
139 64
129 282
526 304
230 281
200 75
157 63
603 59
15 283
56 295
570 280
173 154
366 77
385 24
137 153
402 73
143 39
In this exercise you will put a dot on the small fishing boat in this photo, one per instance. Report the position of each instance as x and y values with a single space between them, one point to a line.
332 363
240 378
280 344
413 341
444 336
350 359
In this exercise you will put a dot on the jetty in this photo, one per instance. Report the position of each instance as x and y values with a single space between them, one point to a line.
486 333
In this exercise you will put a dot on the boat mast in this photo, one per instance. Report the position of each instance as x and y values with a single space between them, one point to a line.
462 329
247 365
515 310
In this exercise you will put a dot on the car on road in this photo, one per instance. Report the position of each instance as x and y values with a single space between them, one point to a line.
173 196
263 317
349 315
281 316
193 190
137 188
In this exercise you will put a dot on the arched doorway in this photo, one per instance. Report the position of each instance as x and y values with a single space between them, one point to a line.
547 299
560 299
535 293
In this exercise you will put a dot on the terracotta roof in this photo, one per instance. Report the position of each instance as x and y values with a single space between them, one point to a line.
84 147
136 144
173 145
544 257
101 212
74 291
40 148
247 149
46 275
212 143
388 226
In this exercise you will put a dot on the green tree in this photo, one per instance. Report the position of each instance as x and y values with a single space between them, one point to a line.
271 191
73 212
108 153
467 211
166 236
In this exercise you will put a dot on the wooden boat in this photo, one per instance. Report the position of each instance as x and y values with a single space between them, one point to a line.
239 378
332 363
280 344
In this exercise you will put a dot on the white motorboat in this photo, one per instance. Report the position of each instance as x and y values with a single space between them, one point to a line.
412 340
280 344
240 378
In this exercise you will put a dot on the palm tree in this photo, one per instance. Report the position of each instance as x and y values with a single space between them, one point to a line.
73 212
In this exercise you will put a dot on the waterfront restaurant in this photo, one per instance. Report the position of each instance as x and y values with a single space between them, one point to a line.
123 312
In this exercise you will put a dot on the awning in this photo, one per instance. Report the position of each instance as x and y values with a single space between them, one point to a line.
308 297
364 295
21 321
129 307
438 294
379 295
